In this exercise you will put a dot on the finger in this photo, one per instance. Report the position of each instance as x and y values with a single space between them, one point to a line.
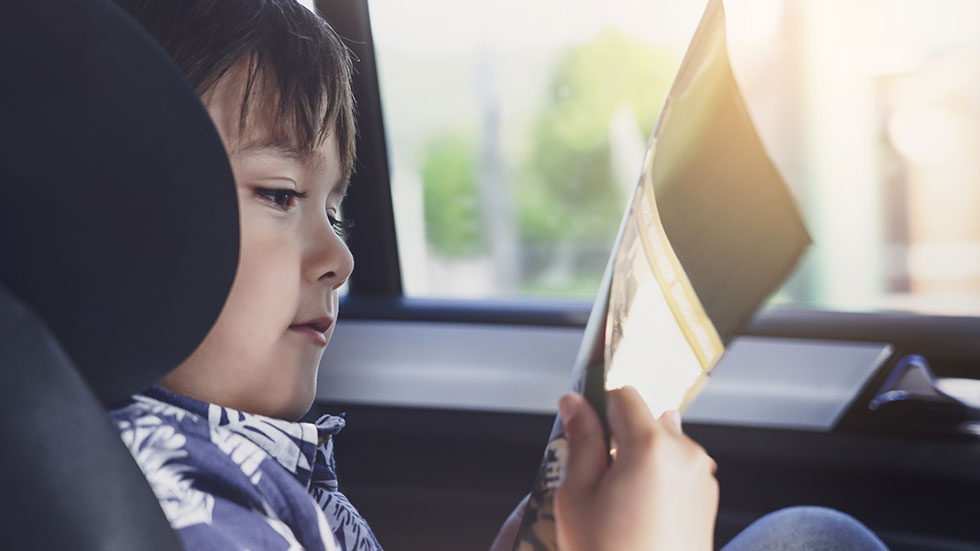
671 419
586 459
701 457
630 421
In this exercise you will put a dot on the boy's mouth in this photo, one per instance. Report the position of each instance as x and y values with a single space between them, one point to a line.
315 329
321 324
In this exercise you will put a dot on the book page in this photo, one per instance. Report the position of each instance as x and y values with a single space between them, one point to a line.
658 337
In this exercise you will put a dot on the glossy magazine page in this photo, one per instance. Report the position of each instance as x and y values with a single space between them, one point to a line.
710 231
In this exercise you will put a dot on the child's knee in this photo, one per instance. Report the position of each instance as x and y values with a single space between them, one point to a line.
806 528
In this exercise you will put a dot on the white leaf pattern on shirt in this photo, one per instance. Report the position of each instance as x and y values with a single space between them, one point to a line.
155 446
275 436
242 451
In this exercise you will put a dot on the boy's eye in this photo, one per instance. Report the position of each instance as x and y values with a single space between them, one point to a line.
282 198
285 199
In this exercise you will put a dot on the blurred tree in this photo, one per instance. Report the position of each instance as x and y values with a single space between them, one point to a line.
453 222
567 198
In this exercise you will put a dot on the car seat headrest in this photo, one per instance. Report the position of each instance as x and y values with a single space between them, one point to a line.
118 218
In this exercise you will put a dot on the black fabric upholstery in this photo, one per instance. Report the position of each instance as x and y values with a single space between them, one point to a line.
66 479
118 216
118 246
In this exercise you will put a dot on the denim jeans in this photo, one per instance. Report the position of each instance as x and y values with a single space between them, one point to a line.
806 529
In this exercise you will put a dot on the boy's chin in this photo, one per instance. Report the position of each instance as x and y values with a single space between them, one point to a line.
297 404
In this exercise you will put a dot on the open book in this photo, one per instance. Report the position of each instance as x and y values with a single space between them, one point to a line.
709 234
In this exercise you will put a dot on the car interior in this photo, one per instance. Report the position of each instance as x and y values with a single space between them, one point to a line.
450 393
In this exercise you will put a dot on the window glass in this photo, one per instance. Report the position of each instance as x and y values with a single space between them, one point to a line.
516 131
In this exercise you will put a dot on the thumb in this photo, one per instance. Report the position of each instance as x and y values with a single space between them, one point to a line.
586 446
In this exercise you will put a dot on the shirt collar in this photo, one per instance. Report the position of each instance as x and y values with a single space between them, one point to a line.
304 449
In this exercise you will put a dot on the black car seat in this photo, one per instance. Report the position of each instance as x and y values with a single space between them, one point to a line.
118 246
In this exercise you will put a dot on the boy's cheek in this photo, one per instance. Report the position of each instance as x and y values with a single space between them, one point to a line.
266 287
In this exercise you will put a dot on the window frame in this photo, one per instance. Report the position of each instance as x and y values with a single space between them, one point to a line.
368 203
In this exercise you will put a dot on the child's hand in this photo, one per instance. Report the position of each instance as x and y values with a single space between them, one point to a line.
660 493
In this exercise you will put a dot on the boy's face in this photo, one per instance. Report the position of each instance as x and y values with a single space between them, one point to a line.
291 266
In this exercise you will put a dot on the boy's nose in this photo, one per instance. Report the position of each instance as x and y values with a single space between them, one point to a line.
331 262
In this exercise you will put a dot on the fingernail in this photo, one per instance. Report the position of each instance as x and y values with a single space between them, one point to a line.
612 403
566 408
673 416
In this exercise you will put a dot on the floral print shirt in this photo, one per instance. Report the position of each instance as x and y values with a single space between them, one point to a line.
229 480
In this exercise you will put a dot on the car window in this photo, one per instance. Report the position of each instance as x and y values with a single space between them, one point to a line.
515 132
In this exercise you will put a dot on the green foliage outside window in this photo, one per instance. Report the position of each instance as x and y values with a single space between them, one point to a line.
453 224
564 191
567 194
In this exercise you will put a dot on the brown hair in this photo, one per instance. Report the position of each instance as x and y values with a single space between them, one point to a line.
286 45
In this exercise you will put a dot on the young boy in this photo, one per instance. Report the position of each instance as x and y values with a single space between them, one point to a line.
217 438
